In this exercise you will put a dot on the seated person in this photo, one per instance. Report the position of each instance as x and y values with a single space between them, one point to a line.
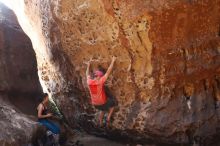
43 116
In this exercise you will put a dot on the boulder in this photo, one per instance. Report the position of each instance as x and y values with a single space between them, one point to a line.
16 128
166 78
18 66
18 80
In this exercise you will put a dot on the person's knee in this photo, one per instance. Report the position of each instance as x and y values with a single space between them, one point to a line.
58 129
52 127
55 128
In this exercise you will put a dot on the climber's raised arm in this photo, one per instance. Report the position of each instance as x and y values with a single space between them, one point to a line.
110 67
88 68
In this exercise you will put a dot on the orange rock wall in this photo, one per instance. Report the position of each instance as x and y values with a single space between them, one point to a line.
166 78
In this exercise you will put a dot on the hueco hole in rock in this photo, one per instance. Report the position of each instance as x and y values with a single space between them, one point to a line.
109 73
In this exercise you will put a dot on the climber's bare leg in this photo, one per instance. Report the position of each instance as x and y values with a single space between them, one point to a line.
101 118
111 110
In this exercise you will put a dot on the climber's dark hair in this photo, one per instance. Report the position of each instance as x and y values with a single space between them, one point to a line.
45 95
102 69
41 99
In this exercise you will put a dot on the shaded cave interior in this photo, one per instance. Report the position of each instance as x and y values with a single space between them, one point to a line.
18 65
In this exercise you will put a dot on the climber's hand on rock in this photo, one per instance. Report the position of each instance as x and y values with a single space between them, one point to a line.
113 58
89 62
91 59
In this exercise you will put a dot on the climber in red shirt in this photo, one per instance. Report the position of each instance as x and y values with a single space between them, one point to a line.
97 92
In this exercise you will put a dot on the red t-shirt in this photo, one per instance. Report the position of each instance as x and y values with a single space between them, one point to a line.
97 92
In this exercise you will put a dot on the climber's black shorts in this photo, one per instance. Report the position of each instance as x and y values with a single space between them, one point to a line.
105 107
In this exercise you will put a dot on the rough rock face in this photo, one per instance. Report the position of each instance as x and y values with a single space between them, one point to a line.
18 66
15 127
167 75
